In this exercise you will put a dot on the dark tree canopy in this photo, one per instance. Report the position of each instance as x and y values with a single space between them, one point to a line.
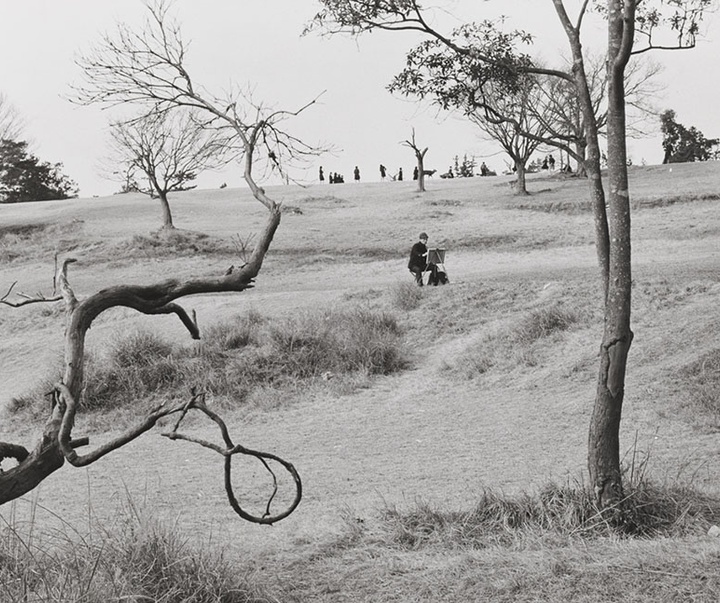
683 144
23 177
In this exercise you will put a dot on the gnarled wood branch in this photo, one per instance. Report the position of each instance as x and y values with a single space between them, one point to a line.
57 443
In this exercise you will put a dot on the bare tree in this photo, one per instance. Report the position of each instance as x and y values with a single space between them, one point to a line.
166 151
633 27
513 119
420 158
11 122
147 69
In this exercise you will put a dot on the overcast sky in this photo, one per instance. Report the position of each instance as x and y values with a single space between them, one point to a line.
258 42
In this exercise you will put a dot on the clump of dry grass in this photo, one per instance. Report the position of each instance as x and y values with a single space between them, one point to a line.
666 200
701 382
514 342
557 514
406 296
238 357
171 243
27 241
136 559
544 323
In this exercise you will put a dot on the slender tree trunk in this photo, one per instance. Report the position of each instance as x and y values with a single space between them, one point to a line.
603 441
166 214
520 182
580 149
421 174
592 161
420 155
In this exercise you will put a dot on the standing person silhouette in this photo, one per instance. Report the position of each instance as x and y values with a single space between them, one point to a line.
321 175
400 176
356 174
383 172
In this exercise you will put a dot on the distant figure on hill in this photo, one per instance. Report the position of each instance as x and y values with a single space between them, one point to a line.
383 172
321 175
551 162
545 164
356 174
415 173
484 169
400 174
331 178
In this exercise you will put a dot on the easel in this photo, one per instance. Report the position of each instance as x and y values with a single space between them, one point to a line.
435 256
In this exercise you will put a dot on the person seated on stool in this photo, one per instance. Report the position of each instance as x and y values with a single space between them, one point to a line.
418 259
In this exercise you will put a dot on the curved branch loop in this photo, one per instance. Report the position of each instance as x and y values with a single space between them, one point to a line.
228 451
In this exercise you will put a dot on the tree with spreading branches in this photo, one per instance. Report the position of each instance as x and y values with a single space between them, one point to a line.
634 27
147 69
164 152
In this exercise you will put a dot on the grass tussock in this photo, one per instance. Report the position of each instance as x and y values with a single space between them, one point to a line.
544 323
667 200
701 379
406 296
558 514
172 243
28 241
237 358
138 559
518 342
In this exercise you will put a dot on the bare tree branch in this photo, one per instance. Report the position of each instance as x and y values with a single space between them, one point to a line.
146 69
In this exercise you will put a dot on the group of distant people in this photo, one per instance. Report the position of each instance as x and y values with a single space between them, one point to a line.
549 163
335 178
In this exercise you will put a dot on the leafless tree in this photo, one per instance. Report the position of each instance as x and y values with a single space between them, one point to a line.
420 157
516 121
147 69
164 152
11 122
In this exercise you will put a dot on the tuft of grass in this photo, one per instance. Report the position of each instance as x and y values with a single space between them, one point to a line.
667 200
701 380
26 241
172 243
543 323
137 559
406 296
556 514
515 342
240 357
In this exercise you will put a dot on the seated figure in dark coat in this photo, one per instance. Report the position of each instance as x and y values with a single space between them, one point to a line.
418 259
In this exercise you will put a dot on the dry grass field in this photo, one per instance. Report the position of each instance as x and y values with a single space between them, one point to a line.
491 392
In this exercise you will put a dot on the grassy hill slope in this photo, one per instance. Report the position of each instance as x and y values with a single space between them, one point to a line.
496 395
